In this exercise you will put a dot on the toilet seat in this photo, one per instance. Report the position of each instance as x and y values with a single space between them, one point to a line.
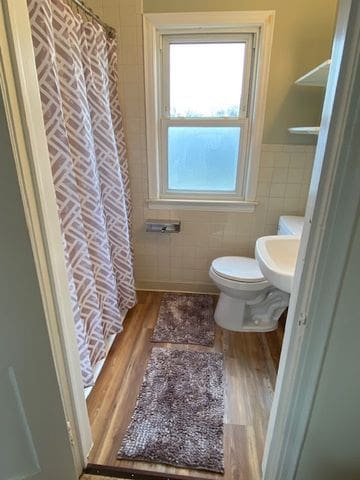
238 269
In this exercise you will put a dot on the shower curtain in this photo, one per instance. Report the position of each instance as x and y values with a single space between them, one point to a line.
77 72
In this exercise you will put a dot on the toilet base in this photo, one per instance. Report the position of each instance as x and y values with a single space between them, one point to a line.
260 314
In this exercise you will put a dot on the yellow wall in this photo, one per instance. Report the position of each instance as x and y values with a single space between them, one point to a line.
181 262
302 39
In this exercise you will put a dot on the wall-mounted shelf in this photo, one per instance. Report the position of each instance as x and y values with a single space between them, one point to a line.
317 77
305 130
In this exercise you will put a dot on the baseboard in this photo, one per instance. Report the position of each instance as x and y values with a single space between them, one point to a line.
185 287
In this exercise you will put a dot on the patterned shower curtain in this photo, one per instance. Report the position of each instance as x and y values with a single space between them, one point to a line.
77 73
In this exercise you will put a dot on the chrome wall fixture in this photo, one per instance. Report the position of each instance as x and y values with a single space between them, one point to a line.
163 226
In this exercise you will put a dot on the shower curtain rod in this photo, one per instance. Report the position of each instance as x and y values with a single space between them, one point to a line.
109 30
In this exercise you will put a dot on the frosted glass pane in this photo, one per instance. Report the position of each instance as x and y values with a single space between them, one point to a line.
203 158
206 79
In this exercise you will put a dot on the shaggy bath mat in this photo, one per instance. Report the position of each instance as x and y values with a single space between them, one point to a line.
185 319
178 418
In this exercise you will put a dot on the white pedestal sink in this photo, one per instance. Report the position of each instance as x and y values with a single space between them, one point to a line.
277 255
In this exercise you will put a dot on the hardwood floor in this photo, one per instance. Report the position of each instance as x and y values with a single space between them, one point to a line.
251 362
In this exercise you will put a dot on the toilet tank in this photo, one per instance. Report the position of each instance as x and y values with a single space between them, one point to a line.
290 225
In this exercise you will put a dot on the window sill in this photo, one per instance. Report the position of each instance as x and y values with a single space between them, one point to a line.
203 205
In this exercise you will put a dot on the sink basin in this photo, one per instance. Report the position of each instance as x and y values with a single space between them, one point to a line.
277 255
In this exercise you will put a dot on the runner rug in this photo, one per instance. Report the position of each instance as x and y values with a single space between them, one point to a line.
178 418
185 318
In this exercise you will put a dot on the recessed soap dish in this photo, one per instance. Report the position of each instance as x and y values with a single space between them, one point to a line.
163 226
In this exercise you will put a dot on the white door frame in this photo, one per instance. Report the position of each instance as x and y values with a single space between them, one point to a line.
19 85
311 309
23 106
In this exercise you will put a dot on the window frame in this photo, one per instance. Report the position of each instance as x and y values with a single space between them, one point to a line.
166 121
158 27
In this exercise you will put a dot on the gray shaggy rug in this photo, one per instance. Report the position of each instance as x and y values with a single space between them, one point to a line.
178 418
185 318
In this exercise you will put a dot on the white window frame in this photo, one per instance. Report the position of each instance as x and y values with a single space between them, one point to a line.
156 27
166 121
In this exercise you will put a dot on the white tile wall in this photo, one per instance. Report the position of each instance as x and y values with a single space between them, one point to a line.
181 261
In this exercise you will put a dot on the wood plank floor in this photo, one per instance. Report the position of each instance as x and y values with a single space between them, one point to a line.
251 361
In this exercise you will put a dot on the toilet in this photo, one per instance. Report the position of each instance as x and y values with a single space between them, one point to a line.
248 302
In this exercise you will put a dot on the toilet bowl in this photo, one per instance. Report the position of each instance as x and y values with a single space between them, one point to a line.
247 301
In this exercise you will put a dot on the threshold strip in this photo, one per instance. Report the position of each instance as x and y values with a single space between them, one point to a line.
136 474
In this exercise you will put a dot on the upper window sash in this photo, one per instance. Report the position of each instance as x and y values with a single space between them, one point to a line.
166 40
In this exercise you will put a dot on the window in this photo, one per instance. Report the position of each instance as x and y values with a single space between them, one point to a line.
203 118
205 96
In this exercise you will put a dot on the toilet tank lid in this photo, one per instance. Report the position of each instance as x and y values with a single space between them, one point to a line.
241 269
291 224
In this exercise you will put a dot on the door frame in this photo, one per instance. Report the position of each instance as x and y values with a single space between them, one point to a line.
311 310
19 84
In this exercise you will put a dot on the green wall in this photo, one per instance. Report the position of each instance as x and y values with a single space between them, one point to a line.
331 446
302 39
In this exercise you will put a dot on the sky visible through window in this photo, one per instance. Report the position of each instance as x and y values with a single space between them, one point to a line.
205 81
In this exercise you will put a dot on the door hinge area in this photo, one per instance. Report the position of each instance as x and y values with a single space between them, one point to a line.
302 319
70 433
